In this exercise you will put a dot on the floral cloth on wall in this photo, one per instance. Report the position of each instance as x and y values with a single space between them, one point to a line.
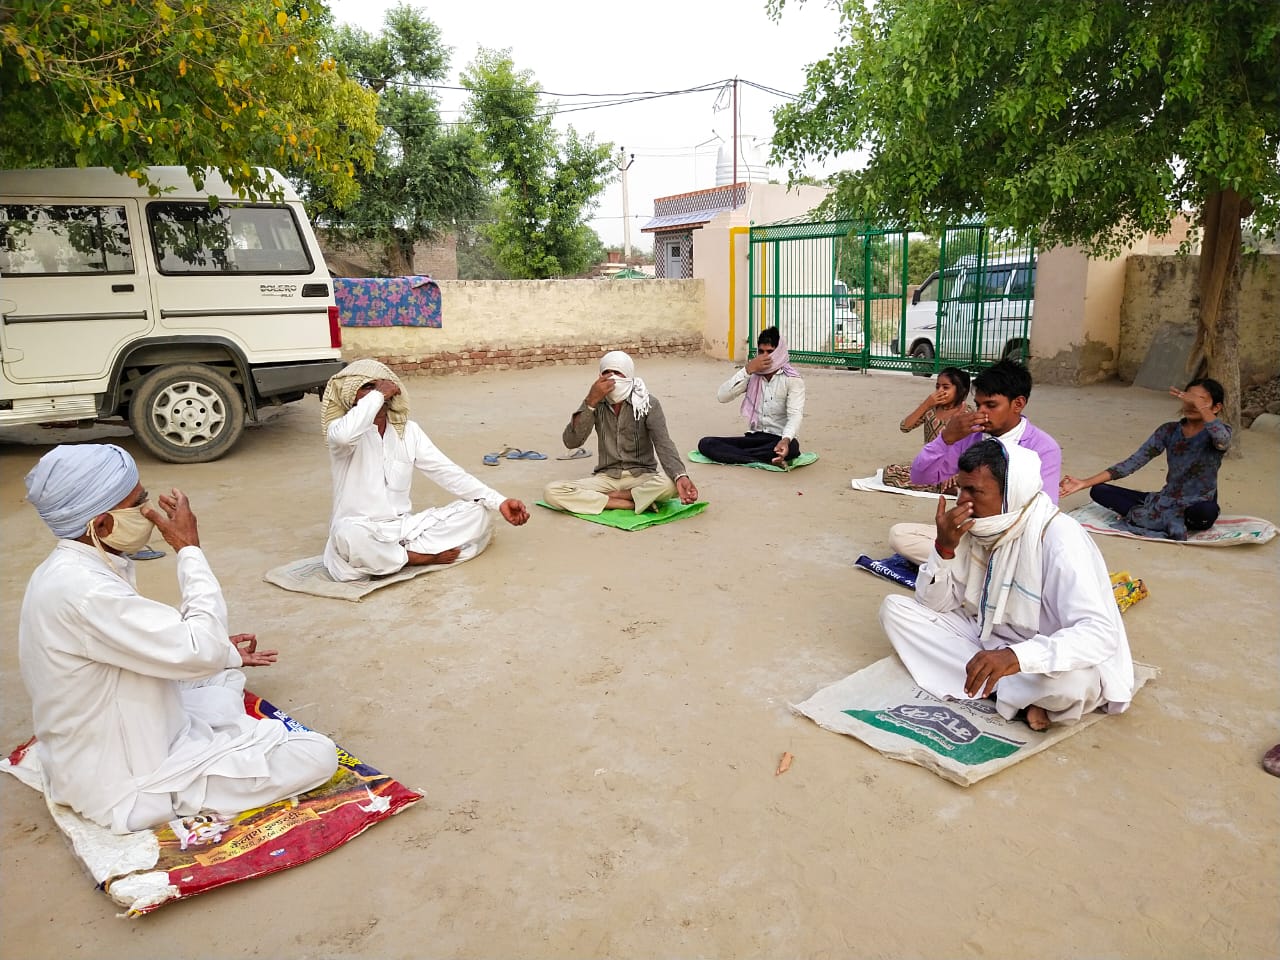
387 301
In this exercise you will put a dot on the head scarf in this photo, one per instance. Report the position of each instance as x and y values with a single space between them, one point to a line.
73 483
779 362
340 393
631 387
1002 555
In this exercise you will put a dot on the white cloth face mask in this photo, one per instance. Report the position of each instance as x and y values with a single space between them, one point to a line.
621 389
130 530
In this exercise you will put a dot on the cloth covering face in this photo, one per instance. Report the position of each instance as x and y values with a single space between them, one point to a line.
340 393
630 388
73 483
138 707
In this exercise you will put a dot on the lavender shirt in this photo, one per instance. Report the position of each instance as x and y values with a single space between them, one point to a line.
938 461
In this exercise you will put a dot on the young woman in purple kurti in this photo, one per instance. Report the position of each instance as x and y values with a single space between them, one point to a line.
1193 446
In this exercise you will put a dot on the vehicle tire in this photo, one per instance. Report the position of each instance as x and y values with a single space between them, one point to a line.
187 413
1013 351
921 351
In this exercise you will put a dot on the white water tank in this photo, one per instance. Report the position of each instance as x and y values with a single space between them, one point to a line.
752 167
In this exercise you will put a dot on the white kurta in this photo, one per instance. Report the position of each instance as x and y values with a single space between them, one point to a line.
373 526
1077 660
137 711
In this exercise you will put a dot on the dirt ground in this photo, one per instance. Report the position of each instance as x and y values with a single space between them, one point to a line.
595 716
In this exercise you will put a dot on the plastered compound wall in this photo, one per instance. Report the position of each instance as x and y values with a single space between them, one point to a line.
1164 289
498 324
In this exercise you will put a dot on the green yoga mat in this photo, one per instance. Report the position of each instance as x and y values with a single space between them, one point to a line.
801 461
667 512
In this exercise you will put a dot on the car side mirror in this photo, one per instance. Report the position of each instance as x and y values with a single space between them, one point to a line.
915 297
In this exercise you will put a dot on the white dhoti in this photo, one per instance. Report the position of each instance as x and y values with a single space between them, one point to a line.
936 647
226 761
360 548
590 494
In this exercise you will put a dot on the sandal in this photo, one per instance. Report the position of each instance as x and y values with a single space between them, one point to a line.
526 455
491 459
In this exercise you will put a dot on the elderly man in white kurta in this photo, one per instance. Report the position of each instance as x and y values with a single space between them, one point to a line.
139 707
1014 599
373 530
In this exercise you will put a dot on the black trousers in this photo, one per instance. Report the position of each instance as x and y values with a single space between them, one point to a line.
1198 516
756 447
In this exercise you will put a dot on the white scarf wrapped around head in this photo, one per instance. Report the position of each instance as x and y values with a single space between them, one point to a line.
1002 555
630 387
340 393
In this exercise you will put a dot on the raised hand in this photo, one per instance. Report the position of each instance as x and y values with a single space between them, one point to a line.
599 390
952 524
961 424
387 388
174 520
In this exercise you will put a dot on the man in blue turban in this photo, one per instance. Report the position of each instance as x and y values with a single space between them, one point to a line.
139 707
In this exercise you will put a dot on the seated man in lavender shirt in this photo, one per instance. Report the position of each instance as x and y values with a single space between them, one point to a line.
1000 393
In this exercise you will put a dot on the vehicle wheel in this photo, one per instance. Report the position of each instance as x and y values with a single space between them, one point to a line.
187 413
921 351
1013 351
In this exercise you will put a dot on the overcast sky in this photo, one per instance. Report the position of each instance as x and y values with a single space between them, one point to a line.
577 47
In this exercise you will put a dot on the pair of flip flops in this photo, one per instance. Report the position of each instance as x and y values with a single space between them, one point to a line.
512 453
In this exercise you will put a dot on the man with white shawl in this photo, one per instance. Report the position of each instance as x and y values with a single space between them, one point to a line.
772 394
1014 599
630 429
138 707
373 530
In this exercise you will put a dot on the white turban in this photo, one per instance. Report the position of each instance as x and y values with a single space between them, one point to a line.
617 360
73 483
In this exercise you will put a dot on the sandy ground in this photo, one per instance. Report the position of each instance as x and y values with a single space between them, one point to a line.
596 716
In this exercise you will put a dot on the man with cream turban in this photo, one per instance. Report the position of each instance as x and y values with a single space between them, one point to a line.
373 530
139 707
772 401
1014 599
630 429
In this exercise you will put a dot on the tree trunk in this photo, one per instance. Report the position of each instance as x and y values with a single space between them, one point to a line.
399 256
1216 352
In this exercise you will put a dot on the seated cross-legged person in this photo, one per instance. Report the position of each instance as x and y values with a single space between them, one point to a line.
139 706
772 394
1014 600
373 530
1000 392
934 411
631 431
1194 446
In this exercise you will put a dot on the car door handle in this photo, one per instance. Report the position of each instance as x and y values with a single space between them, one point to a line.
122 288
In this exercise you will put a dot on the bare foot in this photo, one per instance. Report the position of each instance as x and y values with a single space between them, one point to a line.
1037 718
428 559
622 500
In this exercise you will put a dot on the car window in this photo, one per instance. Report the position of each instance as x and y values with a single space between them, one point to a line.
1024 284
64 239
929 290
196 238
987 285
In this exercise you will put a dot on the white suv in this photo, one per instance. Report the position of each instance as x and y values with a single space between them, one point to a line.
1002 296
181 314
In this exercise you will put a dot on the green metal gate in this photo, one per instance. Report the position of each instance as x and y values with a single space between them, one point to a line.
837 292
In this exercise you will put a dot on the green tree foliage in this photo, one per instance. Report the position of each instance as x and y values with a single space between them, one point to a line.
427 176
550 182
922 259
1089 122
223 84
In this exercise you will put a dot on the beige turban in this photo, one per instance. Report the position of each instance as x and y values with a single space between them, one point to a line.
340 393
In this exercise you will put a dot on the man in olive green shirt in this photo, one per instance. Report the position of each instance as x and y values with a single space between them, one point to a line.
632 435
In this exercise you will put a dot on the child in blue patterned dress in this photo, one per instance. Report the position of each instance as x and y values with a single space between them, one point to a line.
1193 446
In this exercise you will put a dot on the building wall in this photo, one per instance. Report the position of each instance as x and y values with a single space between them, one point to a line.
1164 289
765 203
499 324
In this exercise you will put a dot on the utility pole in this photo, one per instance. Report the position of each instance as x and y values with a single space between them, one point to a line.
624 164
734 189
